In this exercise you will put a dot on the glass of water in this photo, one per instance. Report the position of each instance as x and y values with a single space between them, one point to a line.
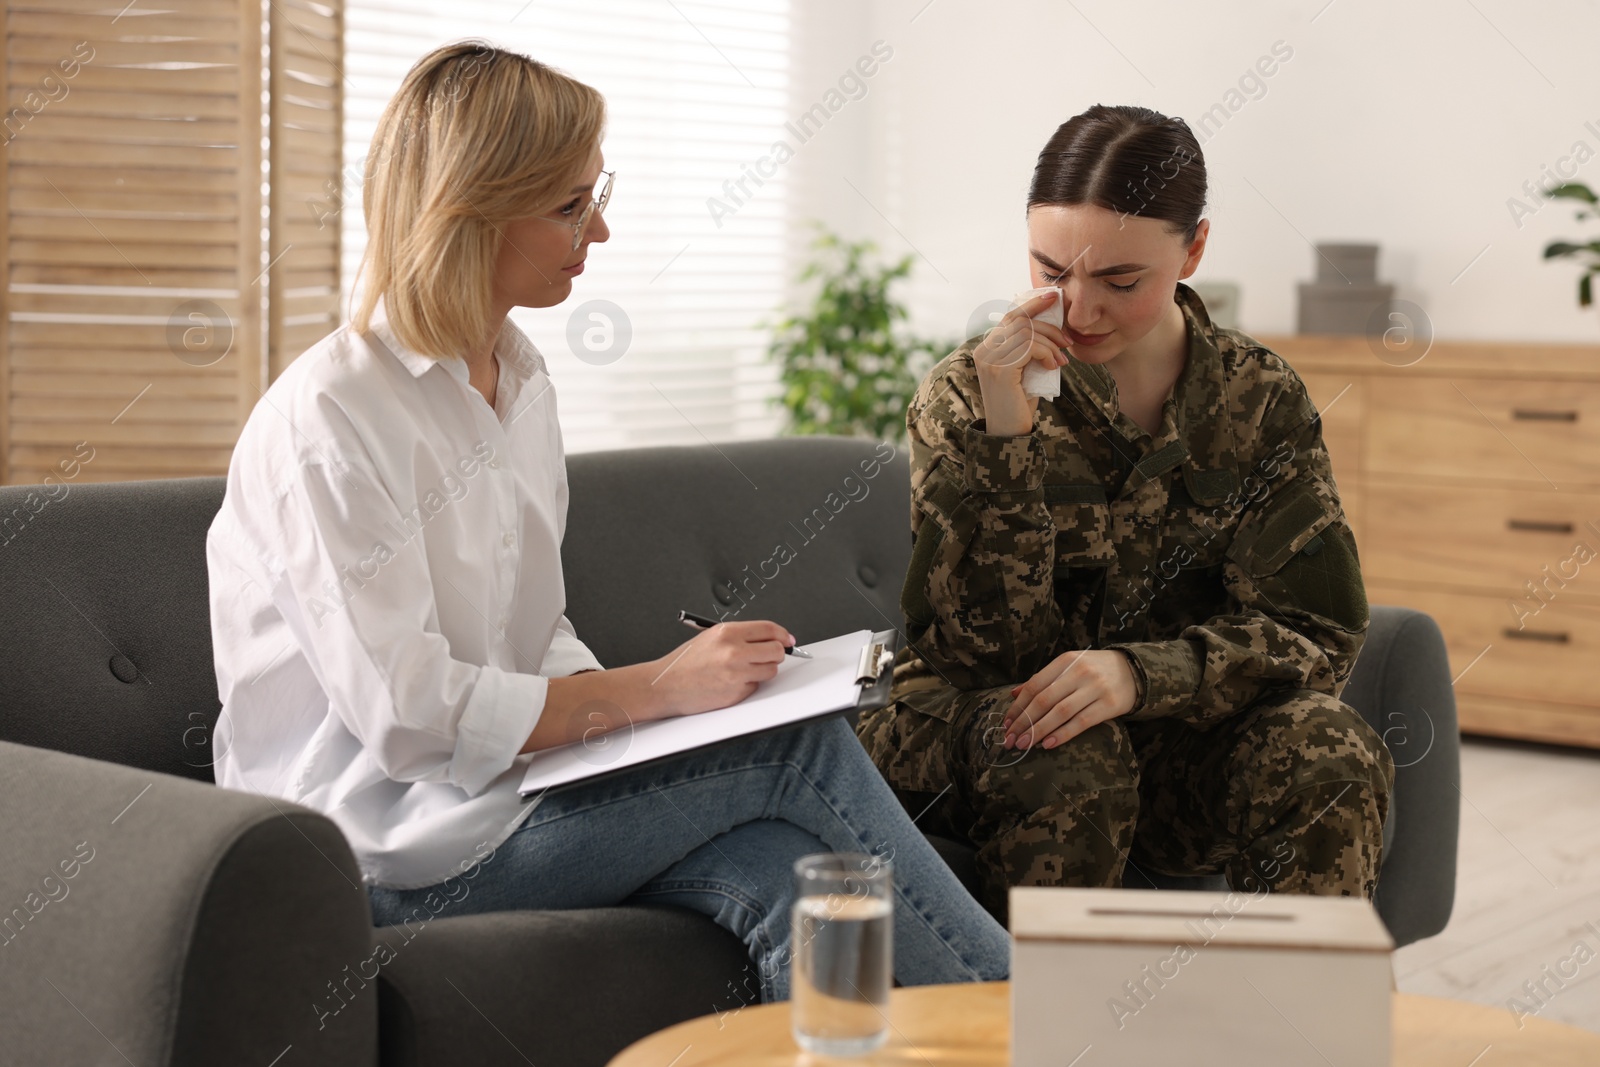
842 950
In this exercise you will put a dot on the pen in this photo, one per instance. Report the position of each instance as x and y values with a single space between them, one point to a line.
700 622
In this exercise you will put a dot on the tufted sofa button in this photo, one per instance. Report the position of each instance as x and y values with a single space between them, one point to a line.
869 577
123 668
723 593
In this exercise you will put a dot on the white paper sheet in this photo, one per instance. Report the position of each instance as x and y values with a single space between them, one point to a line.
800 690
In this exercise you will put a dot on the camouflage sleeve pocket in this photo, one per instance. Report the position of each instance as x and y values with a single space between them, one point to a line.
914 594
936 546
1299 549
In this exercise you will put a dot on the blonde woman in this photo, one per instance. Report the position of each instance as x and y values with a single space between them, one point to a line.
387 596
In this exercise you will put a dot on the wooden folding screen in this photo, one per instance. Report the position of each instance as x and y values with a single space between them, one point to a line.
143 319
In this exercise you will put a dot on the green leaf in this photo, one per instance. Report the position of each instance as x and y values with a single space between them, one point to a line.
844 365
1575 191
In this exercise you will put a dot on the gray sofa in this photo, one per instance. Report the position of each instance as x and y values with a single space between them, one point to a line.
203 926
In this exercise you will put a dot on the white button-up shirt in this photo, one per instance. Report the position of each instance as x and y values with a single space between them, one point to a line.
387 597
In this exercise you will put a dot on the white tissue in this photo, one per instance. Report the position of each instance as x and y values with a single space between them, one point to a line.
1037 379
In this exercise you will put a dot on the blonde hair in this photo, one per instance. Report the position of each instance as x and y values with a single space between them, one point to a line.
475 137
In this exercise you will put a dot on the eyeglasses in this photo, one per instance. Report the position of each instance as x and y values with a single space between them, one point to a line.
598 204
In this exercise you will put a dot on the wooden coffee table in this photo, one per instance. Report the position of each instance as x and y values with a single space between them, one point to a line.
969 1026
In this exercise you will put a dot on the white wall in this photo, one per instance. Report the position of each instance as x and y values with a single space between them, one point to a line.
1408 124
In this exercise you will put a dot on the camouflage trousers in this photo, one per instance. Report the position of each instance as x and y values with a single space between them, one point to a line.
1292 792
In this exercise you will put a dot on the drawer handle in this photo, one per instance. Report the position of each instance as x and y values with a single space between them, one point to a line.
1546 416
1538 635
1539 527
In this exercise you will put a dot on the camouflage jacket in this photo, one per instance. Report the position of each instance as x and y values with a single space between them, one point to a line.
1215 553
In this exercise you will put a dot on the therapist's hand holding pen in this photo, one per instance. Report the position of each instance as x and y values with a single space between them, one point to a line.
715 668
724 662
700 622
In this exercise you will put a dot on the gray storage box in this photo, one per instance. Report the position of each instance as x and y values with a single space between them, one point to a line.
1347 309
1347 264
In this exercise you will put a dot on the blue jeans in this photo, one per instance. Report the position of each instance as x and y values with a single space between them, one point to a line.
717 831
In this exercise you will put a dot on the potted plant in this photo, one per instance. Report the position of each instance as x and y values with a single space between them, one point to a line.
844 366
1589 249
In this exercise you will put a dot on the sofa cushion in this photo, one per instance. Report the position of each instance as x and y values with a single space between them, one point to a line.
558 987
105 641
813 533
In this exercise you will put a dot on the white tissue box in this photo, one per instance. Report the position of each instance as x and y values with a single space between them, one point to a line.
1139 977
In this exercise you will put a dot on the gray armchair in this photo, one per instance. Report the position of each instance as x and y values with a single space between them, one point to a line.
207 926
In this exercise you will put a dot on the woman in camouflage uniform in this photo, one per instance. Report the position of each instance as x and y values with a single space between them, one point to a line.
1131 608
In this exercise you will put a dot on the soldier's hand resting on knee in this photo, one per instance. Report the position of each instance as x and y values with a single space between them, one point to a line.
1071 693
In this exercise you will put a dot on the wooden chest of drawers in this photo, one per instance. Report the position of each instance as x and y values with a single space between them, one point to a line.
1472 480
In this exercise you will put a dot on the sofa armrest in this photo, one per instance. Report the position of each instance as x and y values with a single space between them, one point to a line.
173 921
1401 684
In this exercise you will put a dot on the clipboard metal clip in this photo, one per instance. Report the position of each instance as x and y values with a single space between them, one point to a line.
874 657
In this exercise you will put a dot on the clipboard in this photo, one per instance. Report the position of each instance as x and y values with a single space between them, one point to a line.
873 673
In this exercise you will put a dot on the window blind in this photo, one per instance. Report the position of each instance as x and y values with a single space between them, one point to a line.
695 93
